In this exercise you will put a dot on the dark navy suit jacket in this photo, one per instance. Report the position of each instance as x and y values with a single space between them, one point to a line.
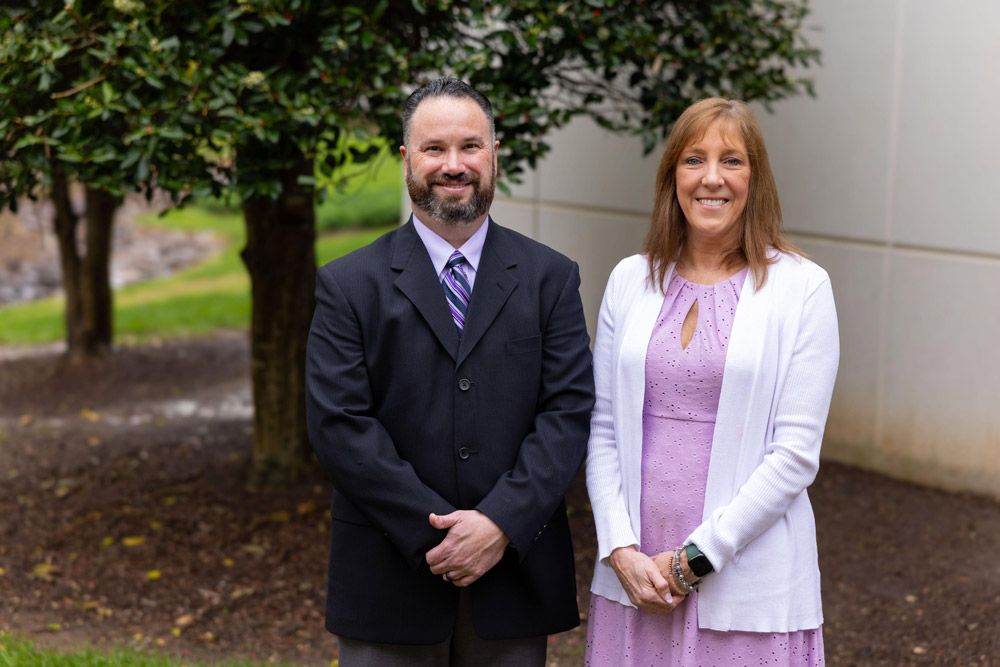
407 419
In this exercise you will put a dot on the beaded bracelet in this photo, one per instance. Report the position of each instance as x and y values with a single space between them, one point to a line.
675 587
679 574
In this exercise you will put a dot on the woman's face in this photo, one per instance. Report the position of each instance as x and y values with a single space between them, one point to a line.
713 177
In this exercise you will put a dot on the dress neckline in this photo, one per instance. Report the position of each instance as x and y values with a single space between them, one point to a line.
733 278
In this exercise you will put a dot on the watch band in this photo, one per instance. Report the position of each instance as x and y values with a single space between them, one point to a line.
698 562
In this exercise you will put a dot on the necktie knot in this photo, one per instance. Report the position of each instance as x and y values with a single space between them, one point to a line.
456 259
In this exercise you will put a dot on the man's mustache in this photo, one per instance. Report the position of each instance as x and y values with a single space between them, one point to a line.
453 180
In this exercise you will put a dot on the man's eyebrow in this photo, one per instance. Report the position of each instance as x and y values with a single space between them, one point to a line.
470 139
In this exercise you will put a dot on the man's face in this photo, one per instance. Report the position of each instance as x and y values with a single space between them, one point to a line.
450 162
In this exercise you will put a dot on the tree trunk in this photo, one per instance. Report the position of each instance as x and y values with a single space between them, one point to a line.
95 278
86 279
65 224
280 257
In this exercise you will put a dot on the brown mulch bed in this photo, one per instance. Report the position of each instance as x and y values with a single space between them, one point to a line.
124 519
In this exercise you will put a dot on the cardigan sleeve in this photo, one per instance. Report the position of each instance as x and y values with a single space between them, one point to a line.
604 474
791 458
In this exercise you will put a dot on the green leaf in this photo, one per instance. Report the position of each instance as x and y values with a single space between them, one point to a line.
106 156
361 156
27 140
379 10
142 171
131 158
228 32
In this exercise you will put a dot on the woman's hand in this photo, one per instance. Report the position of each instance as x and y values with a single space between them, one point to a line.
665 563
640 577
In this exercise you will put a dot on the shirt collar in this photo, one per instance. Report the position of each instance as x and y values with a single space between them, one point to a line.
440 250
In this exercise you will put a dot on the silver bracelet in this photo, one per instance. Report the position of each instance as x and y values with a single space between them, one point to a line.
679 574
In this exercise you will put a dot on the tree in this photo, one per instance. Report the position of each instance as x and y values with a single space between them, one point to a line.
29 101
66 115
276 92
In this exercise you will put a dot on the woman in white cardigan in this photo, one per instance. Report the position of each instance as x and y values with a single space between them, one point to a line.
715 359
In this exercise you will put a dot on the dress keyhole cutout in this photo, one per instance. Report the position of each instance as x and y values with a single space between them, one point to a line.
689 326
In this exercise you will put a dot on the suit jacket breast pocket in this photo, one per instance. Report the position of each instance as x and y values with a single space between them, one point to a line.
523 345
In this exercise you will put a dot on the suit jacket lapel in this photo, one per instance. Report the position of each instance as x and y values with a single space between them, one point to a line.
419 283
494 285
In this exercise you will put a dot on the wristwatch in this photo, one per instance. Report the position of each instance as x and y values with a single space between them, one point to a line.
698 562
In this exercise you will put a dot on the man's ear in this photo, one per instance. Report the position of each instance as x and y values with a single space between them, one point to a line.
402 151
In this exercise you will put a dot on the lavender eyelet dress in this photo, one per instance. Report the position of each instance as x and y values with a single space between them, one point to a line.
683 386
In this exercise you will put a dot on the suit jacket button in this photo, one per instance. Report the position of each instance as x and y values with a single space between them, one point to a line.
464 384
463 453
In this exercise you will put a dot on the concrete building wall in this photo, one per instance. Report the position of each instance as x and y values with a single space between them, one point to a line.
889 179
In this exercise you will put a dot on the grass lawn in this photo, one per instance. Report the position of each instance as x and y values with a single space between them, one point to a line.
22 653
212 295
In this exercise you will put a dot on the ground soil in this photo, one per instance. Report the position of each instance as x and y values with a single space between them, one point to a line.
124 519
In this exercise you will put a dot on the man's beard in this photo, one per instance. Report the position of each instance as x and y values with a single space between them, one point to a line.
452 213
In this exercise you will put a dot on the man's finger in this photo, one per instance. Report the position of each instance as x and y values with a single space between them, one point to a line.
464 580
444 522
440 554
440 558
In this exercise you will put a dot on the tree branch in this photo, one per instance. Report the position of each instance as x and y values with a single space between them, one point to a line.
74 90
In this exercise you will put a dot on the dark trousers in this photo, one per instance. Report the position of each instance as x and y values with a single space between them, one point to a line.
462 649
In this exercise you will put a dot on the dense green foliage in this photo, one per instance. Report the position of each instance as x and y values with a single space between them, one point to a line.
192 96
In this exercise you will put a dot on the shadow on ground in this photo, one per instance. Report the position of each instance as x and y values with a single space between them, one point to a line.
123 519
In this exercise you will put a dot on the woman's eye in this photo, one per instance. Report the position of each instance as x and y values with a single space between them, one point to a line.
692 161
734 162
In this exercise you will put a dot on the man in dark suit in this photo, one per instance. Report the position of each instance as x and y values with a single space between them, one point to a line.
449 389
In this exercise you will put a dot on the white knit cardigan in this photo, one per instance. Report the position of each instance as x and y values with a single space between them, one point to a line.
757 527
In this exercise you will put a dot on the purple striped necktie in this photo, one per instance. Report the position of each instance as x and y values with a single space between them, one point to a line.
457 290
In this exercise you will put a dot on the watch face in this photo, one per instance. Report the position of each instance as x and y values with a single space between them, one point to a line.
700 565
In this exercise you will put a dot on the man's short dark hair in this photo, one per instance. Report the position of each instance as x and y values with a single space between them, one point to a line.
445 87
